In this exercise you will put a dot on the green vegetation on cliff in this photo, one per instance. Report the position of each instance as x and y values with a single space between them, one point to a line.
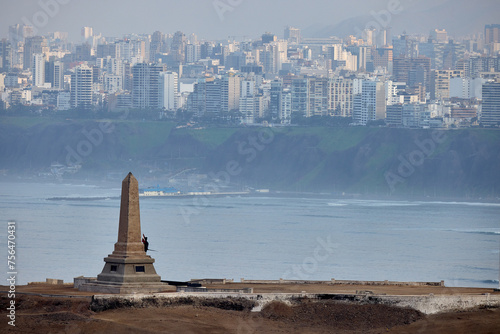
459 163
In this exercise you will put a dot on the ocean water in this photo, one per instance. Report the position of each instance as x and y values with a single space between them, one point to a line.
256 237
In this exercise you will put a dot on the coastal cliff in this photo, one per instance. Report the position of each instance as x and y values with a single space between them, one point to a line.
384 161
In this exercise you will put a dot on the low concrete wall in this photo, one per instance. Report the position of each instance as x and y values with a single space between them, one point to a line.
191 289
333 281
79 281
392 283
205 281
426 304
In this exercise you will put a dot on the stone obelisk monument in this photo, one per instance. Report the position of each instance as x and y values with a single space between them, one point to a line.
128 269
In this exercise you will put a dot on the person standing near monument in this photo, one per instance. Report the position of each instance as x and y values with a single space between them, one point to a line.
145 242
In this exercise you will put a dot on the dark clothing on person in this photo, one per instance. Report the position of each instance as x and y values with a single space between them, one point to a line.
145 242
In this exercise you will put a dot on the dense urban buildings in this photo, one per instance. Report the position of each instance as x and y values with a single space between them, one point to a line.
430 80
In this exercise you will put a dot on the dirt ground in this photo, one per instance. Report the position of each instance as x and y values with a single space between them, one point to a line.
36 314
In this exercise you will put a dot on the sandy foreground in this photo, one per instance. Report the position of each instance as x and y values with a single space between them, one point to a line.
61 314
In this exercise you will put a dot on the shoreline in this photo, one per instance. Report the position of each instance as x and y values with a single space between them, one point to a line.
111 184
275 194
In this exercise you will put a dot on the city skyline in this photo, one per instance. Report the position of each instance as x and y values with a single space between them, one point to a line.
373 75
218 19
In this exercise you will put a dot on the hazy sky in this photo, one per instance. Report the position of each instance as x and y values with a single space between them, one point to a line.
232 18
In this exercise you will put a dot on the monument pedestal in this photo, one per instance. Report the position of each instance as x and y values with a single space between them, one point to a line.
127 288
128 269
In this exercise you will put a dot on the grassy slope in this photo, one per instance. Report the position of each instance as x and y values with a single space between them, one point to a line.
142 137
144 140
211 137
26 122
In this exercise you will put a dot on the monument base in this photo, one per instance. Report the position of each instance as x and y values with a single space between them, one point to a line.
128 270
126 288
127 275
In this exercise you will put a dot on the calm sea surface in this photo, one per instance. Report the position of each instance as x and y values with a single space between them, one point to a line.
256 237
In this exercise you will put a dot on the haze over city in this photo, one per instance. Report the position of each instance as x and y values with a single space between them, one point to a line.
317 18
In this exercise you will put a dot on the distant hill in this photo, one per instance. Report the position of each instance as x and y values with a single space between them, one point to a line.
458 17
461 163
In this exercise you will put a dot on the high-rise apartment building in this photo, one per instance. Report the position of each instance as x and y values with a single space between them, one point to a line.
490 115
363 54
268 38
412 71
196 101
370 104
54 73
275 101
448 54
32 45
300 95
285 113
15 34
146 85
413 115
168 90
440 83
106 50
310 96
18 33
440 36
369 36
492 33
394 115
81 87
466 88
87 33
113 83
5 55
273 55
230 93
213 97
178 46
157 45
318 97
292 35
340 94
250 103
193 53
38 69
382 57
247 109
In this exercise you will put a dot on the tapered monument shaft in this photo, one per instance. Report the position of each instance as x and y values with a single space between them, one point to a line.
129 230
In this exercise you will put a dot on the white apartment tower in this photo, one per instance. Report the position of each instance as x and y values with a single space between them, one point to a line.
340 93
81 87
230 93
193 53
168 90
38 69
87 33
370 105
